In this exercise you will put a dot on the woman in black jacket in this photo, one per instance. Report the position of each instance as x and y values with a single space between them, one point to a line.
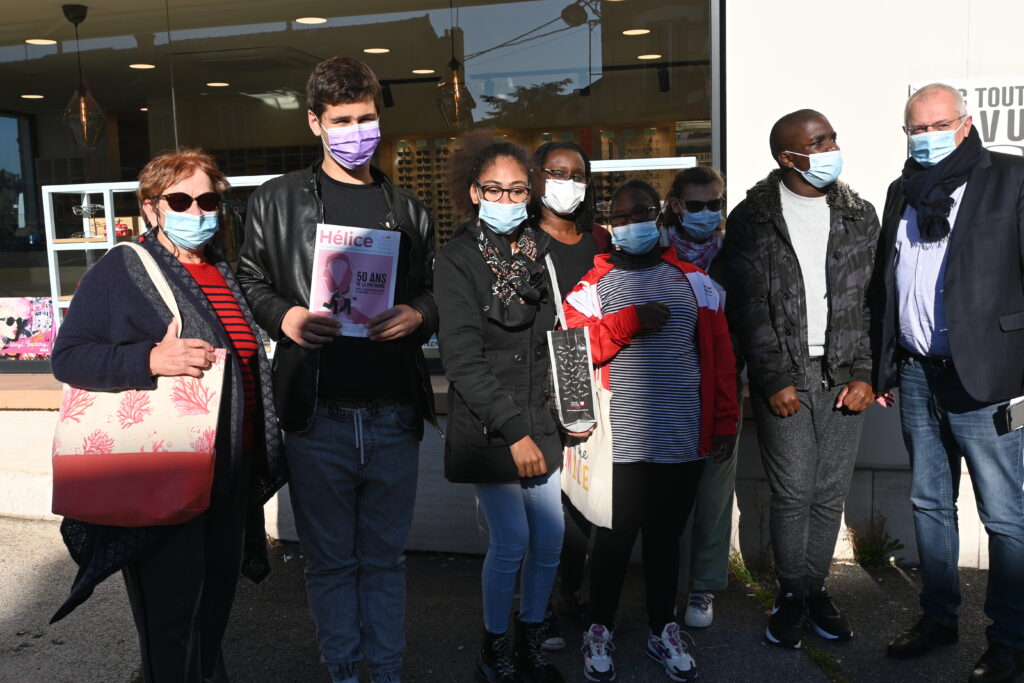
495 305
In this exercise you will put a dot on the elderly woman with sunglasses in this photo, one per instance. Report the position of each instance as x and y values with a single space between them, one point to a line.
119 335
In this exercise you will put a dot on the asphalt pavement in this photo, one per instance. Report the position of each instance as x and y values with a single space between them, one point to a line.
271 635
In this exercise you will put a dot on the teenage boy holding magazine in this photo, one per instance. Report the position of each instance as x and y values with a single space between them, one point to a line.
351 407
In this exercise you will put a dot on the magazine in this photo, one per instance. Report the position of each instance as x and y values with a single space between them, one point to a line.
574 378
353 275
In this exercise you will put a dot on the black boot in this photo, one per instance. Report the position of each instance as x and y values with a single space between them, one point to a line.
534 665
496 664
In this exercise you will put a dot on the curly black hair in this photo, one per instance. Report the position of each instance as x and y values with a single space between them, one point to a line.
475 152
584 214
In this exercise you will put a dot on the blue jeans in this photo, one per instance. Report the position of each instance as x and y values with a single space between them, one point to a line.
941 424
353 487
525 522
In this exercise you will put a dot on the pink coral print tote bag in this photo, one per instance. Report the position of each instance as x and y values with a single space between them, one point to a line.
139 457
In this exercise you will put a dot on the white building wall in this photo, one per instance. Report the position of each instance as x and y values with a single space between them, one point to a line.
854 61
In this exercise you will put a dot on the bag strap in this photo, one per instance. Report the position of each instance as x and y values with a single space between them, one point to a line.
559 310
158 278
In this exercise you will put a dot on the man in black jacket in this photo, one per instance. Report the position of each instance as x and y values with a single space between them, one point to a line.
951 288
352 408
798 261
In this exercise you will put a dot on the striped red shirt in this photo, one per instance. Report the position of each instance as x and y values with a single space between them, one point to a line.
243 340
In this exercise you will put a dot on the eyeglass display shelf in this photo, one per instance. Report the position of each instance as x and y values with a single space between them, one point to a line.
91 244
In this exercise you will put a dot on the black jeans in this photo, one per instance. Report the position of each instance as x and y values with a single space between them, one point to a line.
572 565
182 590
655 498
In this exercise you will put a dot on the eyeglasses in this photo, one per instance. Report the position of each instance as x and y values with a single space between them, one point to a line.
494 193
181 201
693 206
941 125
87 210
559 174
11 321
637 215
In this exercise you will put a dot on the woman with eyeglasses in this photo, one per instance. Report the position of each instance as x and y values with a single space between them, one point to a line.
659 339
496 305
695 221
566 213
119 335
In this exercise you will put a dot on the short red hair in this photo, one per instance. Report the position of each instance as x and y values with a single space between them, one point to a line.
169 168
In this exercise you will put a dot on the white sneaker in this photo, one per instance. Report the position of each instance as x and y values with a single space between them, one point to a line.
699 612
597 660
670 651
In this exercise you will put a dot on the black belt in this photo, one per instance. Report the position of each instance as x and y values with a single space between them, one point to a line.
938 362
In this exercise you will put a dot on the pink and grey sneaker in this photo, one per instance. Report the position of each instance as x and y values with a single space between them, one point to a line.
597 659
671 652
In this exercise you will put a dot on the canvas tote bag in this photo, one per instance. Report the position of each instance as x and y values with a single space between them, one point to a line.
139 457
587 463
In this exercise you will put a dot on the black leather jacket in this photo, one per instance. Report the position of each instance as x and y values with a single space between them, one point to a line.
274 270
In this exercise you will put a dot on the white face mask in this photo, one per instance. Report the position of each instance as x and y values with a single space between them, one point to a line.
563 196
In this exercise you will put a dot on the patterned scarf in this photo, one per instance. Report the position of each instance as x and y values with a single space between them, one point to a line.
700 255
512 276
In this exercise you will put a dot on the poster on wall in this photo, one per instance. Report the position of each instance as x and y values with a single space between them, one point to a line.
996 106
26 328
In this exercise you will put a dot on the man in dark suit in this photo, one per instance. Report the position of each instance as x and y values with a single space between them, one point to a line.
950 287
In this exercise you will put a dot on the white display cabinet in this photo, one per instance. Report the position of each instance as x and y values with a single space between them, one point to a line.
82 221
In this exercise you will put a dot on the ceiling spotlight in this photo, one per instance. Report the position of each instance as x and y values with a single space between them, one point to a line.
30 96
376 50
143 108
423 71
648 56
142 66
218 84
636 32
41 41
311 20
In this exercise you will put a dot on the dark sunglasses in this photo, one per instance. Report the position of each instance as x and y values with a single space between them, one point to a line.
693 206
11 321
181 202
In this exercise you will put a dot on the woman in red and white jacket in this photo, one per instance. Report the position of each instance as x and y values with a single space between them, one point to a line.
659 338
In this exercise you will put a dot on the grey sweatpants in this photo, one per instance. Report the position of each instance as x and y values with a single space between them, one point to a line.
809 460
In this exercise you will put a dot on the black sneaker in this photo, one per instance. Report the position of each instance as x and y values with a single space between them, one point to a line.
999 663
825 617
787 620
553 638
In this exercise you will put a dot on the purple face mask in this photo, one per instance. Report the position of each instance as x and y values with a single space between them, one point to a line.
352 146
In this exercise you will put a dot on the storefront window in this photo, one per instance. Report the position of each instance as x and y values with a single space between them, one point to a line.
625 79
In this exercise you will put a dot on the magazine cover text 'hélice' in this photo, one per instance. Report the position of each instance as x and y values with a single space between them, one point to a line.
353 275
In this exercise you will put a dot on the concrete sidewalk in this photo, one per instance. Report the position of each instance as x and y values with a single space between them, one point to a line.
271 635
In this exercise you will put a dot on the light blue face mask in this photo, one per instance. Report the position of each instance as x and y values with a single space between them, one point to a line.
824 169
190 231
932 147
701 224
636 238
502 218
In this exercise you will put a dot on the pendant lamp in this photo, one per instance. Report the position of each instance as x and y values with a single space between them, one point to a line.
453 96
83 114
